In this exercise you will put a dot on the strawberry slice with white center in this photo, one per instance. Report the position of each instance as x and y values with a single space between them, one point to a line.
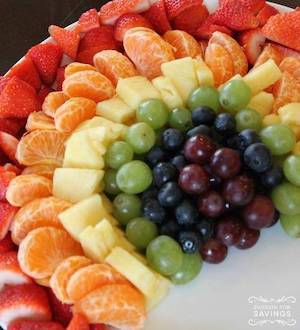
8 144
7 213
253 42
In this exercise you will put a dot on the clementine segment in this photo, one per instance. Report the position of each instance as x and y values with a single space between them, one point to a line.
77 67
43 249
26 188
52 102
73 112
147 50
39 120
42 212
44 170
269 53
43 282
292 66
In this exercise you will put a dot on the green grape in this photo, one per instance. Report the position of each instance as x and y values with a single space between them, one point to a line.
291 169
235 95
110 182
280 139
286 198
291 224
190 268
127 207
140 232
118 154
154 113
141 137
248 118
204 96
134 177
181 119
164 255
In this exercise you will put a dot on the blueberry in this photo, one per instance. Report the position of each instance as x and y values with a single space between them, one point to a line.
170 228
203 116
179 162
198 130
258 157
170 195
272 178
155 156
150 193
225 124
206 227
172 139
186 214
245 139
154 211
163 173
190 241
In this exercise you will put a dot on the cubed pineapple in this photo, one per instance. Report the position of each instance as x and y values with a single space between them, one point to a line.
74 184
115 110
107 203
168 92
262 102
296 150
271 119
162 290
107 232
290 114
182 74
134 90
263 76
123 241
203 73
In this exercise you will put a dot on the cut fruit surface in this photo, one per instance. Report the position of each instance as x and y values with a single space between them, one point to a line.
52 102
262 102
75 67
43 170
204 74
39 120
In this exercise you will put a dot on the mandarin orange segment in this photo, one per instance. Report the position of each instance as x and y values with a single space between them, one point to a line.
117 305
41 147
90 84
268 53
114 65
62 274
43 282
43 249
220 63
239 59
52 102
77 67
74 112
44 170
184 45
87 279
39 120
42 212
292 66
147 50
26 188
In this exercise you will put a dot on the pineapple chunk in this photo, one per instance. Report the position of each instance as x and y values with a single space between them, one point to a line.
162 289
115 110
74 184
182 74
123 241
262 103
271 119
262 76
134 90
107 233
107 203
203 72
168 92
290 114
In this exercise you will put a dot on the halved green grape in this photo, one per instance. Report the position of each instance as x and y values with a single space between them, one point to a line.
118 154
140 232
291 169
204 96
134 177
248 118
141 137
280 139
286 198
291 224
190 268
110 182
235 95
181 119
127 207
154 113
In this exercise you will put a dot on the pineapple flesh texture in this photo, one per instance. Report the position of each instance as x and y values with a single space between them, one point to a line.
74 185
262 103
182 74
203 72
135 90
290 114
163 287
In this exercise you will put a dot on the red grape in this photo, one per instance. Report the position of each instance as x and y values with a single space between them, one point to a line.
239 191
214 251
199 149
211 204
226 163
249 238
228 231
193 179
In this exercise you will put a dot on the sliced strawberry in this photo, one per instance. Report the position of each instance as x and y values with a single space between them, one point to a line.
34 325
26 301
7 213
98 327
47 58
18 99
157 16
61 312
127 22
265 13
176 7
191 18
111 11
68 40
7 245
11 168
3 82
5 178
10 271
44 91
88 21
208 27
284 29
253 42
78 322
254 6
60 77
26 71
10 126
8 144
